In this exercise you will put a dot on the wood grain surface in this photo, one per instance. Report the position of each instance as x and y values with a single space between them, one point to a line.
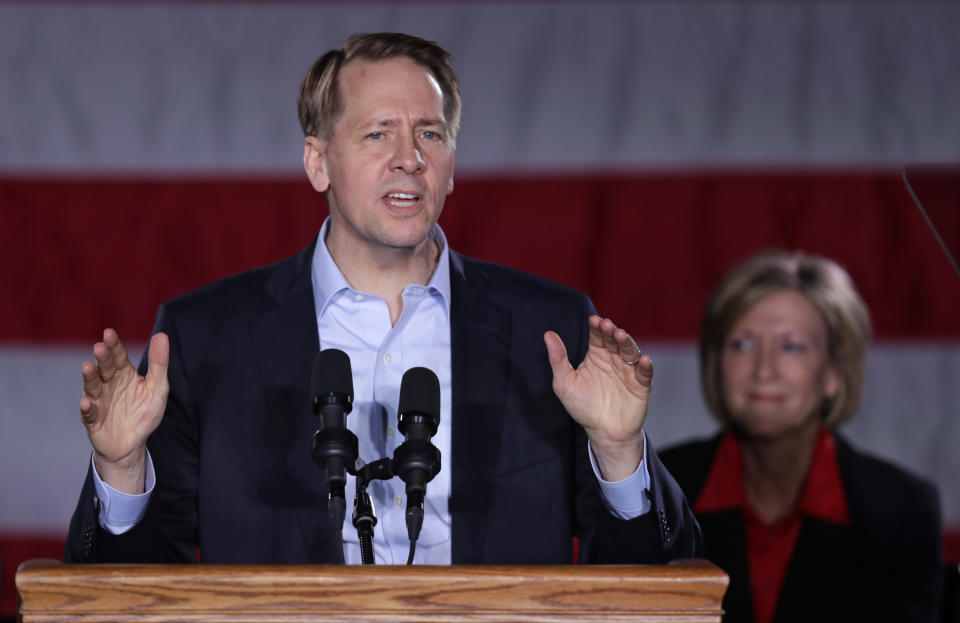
53 591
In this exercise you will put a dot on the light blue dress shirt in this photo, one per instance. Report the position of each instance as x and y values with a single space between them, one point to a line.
359 324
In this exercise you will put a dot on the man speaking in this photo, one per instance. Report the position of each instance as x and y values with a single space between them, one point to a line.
206 452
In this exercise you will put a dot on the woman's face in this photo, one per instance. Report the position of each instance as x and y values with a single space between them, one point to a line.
775 367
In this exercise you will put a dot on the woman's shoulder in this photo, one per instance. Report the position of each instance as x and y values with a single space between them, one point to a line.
883 493
869 470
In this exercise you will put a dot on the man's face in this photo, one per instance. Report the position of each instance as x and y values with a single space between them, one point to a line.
388 166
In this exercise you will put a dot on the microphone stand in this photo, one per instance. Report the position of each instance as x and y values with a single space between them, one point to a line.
335 449
364 515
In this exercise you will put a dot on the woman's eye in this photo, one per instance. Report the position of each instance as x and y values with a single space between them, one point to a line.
794 347
741 345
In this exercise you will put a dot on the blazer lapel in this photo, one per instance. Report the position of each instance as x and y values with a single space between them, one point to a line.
829 552
480 360
824 552
285 342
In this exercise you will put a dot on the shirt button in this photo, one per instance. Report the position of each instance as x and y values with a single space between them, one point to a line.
398 501
387 358
358 297
389 431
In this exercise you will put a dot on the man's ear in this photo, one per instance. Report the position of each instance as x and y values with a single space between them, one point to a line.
453 160
314 163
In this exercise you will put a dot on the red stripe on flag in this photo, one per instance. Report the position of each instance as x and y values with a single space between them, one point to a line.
16 548
76 256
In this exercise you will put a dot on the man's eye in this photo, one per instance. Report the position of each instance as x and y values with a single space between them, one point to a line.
794 347
430 135
375 135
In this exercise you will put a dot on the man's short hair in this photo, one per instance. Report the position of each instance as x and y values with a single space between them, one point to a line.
319 104
822 282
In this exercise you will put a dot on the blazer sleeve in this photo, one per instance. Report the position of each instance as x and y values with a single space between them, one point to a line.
87 542
897 514
914 556
669 531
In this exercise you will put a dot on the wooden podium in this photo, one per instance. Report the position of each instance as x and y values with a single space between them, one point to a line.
49 590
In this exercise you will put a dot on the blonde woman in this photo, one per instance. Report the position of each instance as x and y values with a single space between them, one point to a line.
807 527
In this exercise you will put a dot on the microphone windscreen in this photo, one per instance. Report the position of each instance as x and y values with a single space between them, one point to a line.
420 392
331 373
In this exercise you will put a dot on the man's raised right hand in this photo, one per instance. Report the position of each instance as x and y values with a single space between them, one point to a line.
120 408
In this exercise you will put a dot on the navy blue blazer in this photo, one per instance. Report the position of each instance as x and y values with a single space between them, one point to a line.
235 479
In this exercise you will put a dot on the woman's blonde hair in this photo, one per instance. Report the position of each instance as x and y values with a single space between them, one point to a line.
825 284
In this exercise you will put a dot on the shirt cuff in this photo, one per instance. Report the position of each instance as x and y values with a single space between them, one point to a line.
627 498
121 511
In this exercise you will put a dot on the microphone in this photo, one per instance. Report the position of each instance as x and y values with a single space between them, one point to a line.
416 461
334 446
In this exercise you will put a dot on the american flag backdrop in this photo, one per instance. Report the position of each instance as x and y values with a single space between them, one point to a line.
633 150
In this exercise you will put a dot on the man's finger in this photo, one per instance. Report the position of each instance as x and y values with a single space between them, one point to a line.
644 371
596 333
91 379
105 365
557 355
88 410
629 351
118 350
158 359
610 336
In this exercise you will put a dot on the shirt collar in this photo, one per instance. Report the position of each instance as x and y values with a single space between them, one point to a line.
822 496
328 281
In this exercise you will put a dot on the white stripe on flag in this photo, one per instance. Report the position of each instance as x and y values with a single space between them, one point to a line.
199 87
